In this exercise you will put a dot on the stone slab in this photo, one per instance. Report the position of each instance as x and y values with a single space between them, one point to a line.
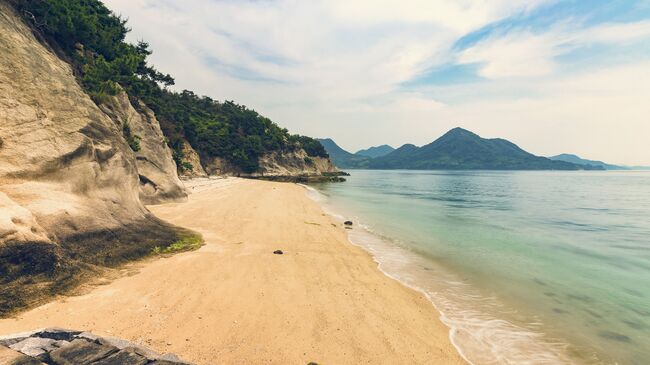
81 352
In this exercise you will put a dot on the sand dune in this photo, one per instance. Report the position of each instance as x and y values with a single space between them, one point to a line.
235 302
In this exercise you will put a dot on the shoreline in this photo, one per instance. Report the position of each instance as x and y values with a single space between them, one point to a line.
476 329
234 301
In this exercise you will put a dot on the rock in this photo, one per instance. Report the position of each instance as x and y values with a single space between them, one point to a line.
57 334
294 166
159 180
278 252
170 357
69 182
8 340
165 362
124 357
34 346
190 156
88 336
9 356
81 352
348 223
128 345
50 346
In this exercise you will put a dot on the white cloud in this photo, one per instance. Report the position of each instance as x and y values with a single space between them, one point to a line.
521 54
333 68
527 54
459 16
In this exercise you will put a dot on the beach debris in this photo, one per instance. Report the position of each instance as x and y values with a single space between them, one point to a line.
56 346
348 223
278 252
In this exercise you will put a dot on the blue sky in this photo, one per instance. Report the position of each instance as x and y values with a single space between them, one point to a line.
552 76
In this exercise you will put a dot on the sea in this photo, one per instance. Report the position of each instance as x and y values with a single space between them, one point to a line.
525 267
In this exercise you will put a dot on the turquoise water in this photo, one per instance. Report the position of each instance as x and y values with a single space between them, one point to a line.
537 267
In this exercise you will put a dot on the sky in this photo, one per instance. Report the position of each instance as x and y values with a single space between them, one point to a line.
551 76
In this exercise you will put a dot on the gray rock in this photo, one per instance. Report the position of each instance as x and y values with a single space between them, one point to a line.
26 360
128 345
34 346
117 342
159 181
9 356
88 336
81 352
57 334
170 357
7 340
124 357
50 346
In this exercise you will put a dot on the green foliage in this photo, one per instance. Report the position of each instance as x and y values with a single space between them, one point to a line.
312 146
186 166
91 38
187 243
132 139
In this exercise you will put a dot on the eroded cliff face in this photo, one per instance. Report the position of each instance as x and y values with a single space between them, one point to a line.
191 157
157 172
276 164
293 164
69 183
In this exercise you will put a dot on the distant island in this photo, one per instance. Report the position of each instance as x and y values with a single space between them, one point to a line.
567 157
458 149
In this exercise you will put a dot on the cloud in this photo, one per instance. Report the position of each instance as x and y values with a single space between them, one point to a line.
372 72
526 54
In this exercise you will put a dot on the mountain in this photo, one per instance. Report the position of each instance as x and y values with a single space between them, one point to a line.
581 161
376 151
460 149
342 158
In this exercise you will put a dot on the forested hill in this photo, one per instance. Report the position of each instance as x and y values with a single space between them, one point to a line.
464 150
86 34
458 149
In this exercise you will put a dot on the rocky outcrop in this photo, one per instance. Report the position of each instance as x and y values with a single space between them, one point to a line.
191 158
58 346
293 163
69 183
280 166
156 169
220 166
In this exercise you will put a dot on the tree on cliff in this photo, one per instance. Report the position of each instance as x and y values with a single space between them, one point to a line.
92 39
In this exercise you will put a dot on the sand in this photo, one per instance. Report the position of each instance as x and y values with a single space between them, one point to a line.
235 302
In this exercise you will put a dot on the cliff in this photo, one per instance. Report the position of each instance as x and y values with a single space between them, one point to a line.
286 164
70 185
157 172
294 166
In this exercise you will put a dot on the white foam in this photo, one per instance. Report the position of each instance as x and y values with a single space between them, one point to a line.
480 336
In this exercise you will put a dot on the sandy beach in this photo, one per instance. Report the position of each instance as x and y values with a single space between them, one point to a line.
235 302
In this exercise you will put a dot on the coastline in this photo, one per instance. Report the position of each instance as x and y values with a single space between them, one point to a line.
479 328
234 301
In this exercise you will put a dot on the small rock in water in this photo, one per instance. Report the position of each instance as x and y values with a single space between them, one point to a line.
348 223
278 252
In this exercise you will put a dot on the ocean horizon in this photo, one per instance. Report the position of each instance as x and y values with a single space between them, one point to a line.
537 267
